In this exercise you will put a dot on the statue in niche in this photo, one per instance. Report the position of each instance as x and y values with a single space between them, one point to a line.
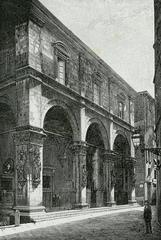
8 166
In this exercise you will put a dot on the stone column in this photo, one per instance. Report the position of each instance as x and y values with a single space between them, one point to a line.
132 180
110 178
80 175
29 166
112 183
107 175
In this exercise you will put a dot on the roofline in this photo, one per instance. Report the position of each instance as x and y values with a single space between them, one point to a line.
146 93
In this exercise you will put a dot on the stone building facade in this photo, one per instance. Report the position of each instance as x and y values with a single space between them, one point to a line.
66 118
157 84
145 165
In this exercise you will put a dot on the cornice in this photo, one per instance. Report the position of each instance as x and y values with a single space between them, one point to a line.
30 73
7 84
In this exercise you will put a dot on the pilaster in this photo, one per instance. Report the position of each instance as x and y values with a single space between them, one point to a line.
28 168
131 162
79 151
110 177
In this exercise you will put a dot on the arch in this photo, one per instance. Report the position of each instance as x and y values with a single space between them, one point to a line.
70 114
121 145
121 169
120 132
57 154
97 141
102 129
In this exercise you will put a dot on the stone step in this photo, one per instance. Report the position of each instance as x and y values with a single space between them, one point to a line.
46 216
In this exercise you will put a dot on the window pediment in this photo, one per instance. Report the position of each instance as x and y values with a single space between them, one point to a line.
61 49
121 97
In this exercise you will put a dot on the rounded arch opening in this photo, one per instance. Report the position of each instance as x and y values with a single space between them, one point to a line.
94 136
121 145
70 116
57 122
121 171
58 191
101 129
94 166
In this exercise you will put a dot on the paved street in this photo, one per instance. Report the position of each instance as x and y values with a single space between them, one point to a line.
122 226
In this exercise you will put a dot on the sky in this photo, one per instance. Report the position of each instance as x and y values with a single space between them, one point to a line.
121 32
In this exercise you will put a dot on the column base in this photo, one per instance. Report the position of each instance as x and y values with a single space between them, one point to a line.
81 205
28 209
132 202
28 213
111 204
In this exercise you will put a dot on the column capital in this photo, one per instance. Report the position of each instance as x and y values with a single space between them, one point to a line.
109 156
130 161
79 147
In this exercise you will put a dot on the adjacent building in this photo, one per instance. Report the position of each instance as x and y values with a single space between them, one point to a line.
66 118
157 84
145 160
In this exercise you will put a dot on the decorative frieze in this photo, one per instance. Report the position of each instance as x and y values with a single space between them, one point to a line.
32 135
22 169
28 163
35 164
21 137
79 148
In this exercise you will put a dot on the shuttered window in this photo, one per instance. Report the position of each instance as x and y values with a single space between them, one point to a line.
61 71
121 110
96 93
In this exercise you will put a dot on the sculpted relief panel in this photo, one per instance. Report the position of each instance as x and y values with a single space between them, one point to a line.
35 165
21 168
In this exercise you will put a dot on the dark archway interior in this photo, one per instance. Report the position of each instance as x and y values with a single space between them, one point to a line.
57 121
94 136
121 145
7 120
122 148
7 153
94 164
58 189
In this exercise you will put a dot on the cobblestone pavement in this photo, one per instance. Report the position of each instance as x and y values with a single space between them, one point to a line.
121 226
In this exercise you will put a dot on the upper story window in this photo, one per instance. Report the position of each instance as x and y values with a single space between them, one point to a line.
61 62
97 88
61 70
121 110
121 105
96 93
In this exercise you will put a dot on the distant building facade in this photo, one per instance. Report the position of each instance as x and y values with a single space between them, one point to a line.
157 84
145 164
66 118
